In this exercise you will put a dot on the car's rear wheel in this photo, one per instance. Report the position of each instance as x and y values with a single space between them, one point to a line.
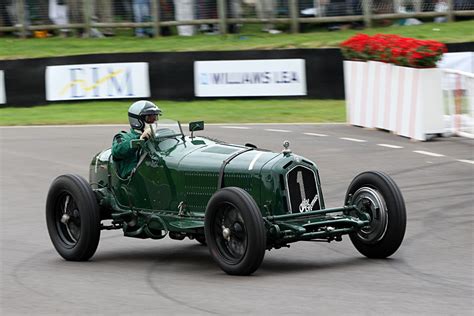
376 194
73 218
235 232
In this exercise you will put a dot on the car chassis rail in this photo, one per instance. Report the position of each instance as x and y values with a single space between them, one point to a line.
318 224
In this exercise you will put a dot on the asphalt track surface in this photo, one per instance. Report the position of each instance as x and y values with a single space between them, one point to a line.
431 274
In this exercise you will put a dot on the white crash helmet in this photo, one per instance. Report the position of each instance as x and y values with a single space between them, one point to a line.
138 112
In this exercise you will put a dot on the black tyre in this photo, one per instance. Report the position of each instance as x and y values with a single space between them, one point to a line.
235 232
73 218
378 195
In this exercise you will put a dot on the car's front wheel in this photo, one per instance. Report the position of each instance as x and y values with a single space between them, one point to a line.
378 196
73 218
235 232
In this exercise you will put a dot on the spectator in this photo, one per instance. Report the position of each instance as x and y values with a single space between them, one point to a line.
207 9
4 17
38 11
166 14
266 10
184 11
123 10
103 12
356 6
310 8
141 13
234 8
463 5
13 10
75 14
441 6
406 9
57 12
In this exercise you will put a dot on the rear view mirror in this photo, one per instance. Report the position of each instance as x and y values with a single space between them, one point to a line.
196 126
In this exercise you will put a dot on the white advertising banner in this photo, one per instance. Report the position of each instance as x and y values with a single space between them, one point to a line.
263 77
97 81
3 98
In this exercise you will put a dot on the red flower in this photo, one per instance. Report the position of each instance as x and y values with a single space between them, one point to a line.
398 50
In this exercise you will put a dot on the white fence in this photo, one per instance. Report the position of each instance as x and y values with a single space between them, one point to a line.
458 91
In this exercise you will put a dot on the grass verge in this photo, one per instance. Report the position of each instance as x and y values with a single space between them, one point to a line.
250 38
213 111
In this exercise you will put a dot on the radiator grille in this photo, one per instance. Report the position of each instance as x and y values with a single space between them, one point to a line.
302 190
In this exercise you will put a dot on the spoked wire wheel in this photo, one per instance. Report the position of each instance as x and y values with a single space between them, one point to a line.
68 219
235 232
73 217
230 233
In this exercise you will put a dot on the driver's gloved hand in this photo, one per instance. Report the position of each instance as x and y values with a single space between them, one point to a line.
146 133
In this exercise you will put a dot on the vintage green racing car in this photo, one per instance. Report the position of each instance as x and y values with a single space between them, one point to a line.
239 200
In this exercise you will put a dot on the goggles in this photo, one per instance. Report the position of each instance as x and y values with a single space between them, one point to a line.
150 118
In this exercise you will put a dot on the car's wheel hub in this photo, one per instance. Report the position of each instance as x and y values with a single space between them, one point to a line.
372 203
230 234
68 220
226 233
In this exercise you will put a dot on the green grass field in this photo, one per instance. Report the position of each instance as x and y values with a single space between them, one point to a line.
218 111
250 38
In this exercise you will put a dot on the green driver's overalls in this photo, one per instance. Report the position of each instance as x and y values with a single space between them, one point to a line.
125 157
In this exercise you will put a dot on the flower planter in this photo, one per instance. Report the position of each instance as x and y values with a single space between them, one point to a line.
406 101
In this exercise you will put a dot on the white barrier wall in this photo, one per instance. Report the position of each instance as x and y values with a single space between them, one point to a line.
406 101
97 81
462 61
3 97
458 89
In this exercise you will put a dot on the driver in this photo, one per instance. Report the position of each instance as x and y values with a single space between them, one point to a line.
140 113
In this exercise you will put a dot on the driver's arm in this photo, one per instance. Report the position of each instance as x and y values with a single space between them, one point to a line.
146 133
122 146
